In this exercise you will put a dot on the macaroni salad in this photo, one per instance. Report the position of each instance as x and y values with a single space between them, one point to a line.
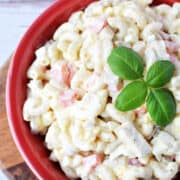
71 93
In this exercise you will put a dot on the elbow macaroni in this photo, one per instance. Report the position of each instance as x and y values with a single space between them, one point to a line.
71 93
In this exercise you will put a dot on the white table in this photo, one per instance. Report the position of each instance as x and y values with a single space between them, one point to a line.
15 17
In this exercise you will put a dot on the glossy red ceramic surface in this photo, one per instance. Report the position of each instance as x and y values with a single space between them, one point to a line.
170 2
31 146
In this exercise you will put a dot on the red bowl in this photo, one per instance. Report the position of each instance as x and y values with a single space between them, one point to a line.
170 2
31 146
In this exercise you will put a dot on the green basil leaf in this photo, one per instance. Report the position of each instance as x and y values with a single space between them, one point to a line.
161 106
132 96
160 73
126 63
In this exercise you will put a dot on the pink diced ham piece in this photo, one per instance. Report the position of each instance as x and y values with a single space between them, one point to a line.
172 48
68 97
171 157
90 162
173 58
140 111
134 162
63 73
165 36
98 25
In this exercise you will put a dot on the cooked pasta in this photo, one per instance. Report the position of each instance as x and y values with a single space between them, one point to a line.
71 93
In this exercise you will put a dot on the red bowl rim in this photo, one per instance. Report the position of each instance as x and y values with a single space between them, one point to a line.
9 94
27 156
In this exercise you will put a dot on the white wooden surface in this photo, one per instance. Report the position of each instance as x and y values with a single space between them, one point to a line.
15 18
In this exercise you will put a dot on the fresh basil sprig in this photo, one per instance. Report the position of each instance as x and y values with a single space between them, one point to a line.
132 96
161 106
160 73
128 65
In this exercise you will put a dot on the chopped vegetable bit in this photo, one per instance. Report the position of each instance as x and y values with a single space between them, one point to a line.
90 162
